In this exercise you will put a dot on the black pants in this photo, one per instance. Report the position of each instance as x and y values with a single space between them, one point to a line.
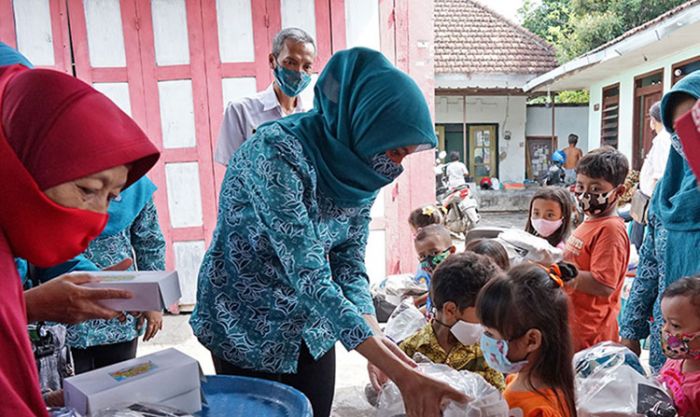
637 235
100 356
316 379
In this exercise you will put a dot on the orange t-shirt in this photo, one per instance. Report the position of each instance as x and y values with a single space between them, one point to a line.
601 247
533 404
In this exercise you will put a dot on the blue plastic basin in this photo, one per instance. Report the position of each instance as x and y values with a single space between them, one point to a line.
243 396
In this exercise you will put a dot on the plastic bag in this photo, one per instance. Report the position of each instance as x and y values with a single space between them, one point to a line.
486 401
53 357
404 321
522 246
611 382
63 412
142 410
389 293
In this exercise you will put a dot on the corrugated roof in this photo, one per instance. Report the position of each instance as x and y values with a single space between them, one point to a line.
471 38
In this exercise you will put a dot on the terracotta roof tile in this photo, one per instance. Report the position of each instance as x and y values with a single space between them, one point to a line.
470 38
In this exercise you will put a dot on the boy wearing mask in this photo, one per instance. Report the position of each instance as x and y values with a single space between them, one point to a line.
600 248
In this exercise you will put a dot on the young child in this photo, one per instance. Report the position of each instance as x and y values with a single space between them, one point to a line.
526 335
425 216
433 243
550 215
452 336
680 340
492 249
599 247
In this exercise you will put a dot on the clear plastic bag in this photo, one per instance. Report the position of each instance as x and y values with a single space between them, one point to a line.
523 246
611 382
486 401
404 321
142 410
63 412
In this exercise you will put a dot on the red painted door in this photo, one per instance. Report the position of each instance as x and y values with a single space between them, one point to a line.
39 29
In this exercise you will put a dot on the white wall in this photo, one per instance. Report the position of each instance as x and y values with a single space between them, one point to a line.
626 80
573 119
506 111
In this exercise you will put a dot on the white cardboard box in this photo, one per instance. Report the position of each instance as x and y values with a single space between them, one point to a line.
150 290
168 377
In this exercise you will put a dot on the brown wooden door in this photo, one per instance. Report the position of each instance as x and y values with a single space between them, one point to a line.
648 89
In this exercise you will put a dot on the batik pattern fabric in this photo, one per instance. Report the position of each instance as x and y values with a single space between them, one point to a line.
460 357
642 317
286 264
144 243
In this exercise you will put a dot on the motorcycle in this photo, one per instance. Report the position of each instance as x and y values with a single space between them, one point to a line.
441 174
462 210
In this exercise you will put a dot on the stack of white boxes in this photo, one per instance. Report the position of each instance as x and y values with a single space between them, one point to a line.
168 377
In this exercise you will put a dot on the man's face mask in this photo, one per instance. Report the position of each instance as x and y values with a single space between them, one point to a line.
292 83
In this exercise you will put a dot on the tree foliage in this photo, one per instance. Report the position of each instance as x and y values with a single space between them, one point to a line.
575 27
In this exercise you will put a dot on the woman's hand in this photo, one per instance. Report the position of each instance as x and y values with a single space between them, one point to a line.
423 396
154 323
376 377
66 300
54 399
632 345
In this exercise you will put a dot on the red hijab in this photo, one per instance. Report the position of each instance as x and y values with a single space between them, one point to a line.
688 129
56 128
53 129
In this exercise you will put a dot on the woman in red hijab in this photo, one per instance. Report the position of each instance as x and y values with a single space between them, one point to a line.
65 151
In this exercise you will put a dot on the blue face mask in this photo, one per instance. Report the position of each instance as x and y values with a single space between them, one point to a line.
383 165
496 355
292 83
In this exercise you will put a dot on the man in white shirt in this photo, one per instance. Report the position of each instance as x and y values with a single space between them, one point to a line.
655 161
653 167
456 171
291 60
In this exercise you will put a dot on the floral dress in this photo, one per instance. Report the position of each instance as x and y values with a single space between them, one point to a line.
144 243
286 264
645 297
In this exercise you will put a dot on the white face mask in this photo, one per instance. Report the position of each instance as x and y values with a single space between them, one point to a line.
467 333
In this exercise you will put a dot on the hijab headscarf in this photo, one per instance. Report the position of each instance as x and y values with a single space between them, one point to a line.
55 129
124 209
363 106
676 199
10 56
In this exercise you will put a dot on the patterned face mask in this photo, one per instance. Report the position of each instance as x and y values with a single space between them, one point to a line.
383 165
292 83
677 145
496 355
595 203
429 263
677 346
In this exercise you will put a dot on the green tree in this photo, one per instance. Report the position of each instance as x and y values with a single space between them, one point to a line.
575 27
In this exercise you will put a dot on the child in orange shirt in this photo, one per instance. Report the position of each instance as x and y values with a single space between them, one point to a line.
599 247
526 335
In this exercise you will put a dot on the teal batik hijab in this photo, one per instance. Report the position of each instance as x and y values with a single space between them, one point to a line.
363 107
676 199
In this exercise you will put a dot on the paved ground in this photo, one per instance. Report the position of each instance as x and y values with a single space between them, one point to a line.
351 372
